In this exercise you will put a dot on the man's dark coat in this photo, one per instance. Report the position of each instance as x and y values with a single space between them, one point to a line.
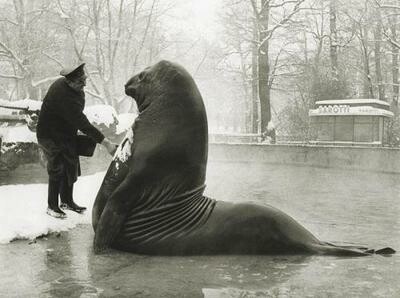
61 116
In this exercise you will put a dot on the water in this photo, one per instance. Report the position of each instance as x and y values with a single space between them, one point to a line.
336 205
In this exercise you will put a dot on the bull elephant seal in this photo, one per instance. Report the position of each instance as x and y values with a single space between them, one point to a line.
151 200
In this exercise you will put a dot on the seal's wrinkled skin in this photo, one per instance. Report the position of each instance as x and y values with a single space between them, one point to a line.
151 200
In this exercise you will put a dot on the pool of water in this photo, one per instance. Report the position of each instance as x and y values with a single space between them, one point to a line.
336 205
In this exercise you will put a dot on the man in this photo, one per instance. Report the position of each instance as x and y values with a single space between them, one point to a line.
61 116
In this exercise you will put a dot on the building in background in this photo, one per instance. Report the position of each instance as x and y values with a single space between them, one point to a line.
350 122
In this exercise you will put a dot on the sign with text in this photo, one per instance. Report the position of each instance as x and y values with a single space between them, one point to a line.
334 109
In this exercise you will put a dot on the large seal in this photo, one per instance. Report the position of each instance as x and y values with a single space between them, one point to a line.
151 200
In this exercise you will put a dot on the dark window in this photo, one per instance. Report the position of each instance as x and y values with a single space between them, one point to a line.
363 129
375 128
325 130
344 128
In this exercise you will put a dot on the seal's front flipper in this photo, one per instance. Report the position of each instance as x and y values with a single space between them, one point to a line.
111 218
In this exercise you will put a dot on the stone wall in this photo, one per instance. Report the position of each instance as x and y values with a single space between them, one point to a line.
355 158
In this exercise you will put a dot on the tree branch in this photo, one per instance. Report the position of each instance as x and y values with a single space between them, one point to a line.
95 95
7 76
11 52
391 40
270 32
45 80
9 21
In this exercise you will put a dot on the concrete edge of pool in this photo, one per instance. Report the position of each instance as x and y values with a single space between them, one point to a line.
378 159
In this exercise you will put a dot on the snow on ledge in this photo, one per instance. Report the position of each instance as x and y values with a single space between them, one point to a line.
24 103
14 134
351 111
352 101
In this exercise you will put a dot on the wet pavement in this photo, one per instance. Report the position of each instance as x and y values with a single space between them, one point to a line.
336 205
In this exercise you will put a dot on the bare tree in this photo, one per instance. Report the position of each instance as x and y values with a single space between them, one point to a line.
21 47
378 53
256 32
333 38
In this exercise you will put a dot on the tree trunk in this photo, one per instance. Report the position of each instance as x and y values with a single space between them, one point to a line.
264 68
254 83
377 50
368 91
333 39
395 62
247 97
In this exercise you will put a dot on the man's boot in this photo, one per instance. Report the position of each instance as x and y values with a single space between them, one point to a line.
67 201
52 200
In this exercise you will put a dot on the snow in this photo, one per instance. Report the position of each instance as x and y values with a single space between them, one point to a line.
124 150
352 101
24 103
13 134
125 121
101 114
270 125
23 209
98 114
350 111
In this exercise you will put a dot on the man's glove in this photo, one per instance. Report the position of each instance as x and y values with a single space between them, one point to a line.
111 147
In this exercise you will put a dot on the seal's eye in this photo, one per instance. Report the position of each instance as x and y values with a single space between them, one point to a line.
141 76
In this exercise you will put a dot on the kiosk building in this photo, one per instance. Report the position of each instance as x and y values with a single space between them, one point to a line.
350 122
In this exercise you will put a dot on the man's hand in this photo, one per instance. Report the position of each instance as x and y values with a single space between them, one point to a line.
111 147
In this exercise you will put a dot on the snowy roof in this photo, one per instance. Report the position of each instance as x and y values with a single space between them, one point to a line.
352 101
350 111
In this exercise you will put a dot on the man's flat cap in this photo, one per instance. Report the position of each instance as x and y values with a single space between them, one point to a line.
73 72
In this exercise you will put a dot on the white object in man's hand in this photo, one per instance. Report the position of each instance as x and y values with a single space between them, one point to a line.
111 147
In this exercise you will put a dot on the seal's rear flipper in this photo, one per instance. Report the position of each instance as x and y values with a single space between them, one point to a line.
349 250
385 251
335 250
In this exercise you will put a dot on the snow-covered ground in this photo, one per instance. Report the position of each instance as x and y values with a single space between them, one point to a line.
23 209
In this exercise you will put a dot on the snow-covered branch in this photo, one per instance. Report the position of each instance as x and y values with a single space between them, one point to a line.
45 80
94 94
11 52
270 32
53 59
7 76
9 21
283 3
391 40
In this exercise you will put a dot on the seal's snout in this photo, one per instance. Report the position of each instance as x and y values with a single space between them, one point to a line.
129 90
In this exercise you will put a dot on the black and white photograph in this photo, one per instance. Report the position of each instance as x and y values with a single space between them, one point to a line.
200 148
